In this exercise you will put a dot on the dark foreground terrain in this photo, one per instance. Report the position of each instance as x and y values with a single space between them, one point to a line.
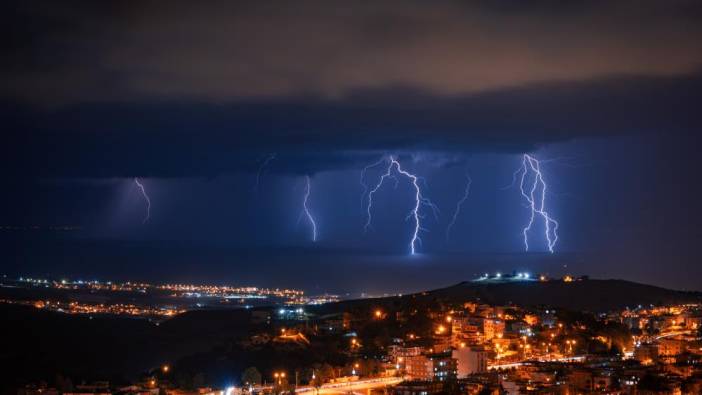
40 345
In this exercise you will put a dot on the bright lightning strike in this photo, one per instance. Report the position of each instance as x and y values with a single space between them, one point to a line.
363 176
535 195
420 200
146 197
466 192
307 210
261 168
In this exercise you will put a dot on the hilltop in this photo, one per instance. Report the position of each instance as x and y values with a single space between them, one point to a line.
582 295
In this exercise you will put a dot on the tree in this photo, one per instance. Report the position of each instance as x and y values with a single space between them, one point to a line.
251 376
322 373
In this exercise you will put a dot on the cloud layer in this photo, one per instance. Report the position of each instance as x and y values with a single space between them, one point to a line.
115 89
227 51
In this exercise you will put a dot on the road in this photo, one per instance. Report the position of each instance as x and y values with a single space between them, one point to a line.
359 386
573 358
675 333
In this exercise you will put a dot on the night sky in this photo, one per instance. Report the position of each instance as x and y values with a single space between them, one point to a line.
192 98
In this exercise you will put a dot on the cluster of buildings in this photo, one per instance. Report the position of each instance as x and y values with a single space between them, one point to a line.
292 296
156 313
478 347
519 351
441 347
474 347
102 308
156 301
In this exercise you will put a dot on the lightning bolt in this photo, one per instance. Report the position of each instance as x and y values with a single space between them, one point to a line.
535 195
306 210
146 197
414 214
458 206
261 168
382 160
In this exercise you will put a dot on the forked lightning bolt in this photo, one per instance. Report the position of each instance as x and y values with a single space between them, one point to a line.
146 197
363 176
420 200
458 206
307 210
534 193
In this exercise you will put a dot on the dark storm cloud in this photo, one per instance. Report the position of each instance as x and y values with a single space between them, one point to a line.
186 139
221 51
171 89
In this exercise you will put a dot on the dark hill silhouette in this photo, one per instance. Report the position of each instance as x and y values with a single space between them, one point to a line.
589 295
582 295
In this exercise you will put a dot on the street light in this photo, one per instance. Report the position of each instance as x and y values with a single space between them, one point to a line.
279 376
